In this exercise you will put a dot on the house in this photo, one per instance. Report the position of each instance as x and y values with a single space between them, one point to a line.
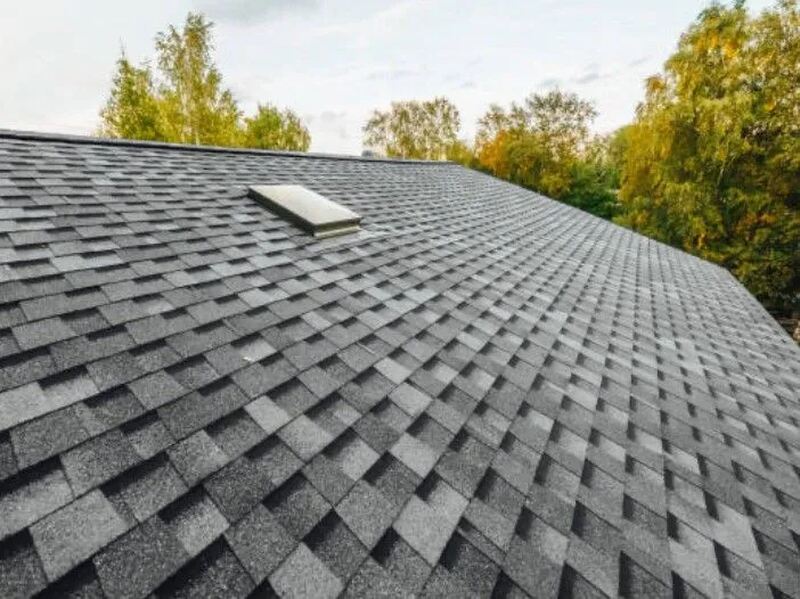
473 391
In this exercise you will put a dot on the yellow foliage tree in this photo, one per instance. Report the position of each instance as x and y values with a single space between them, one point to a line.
713 158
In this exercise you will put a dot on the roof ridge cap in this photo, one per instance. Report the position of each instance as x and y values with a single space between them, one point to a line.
107 141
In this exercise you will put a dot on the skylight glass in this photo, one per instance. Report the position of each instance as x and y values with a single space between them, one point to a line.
307 209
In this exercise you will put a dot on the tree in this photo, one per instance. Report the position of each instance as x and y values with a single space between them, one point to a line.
713 163
538 143
272 128
196 109
132 110
594 178
414 129
462 153
185 102
617 144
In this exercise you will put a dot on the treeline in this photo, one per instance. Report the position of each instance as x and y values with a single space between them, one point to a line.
710 164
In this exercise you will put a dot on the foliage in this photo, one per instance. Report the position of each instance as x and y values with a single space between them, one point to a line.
272 128
461 153
616 146
196 109
713 158
591 189
132 110
544 144
561 118
594 178
187 103
414 129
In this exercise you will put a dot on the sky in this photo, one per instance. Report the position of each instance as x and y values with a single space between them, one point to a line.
334 62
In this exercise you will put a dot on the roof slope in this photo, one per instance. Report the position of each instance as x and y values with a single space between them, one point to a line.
482 391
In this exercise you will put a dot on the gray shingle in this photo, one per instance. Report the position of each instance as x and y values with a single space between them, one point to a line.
304 576
22 368
24 403
214 573
373 581
304 437
267 414
424 529
108 409
67 388
404 564
8 462
410 399
30 496
451 410
202 407
470 567
236 433
47 436
21 574
8 345
530 570
492 524
114 370
70 535
238 487
139 561
336 546
260 542
353 455
415 454
297 505
327 478
98 460
195 521
42 332
148 435
156 389
149 487
196 457
366 512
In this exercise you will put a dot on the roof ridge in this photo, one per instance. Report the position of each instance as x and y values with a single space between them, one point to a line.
104 141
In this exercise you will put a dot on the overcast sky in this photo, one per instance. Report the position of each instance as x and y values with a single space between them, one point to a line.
333 62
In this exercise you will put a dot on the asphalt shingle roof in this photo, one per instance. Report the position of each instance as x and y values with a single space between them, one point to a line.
482 392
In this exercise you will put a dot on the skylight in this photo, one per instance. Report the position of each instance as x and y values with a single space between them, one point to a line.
307 209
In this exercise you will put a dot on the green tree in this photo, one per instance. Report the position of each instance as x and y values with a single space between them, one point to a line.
713 163
594 178
273 128
186 102
196 108
414 129
132 110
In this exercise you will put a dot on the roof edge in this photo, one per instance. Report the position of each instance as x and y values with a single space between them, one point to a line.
105 141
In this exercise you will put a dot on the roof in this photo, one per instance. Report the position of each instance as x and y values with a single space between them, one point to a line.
482 391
